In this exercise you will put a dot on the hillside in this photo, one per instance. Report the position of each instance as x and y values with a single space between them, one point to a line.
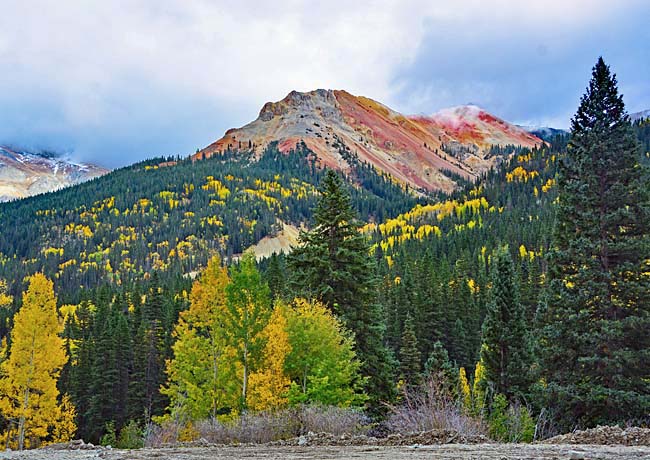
419 150
24 173
127 246
170 214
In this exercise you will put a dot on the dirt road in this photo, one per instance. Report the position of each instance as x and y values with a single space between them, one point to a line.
449 451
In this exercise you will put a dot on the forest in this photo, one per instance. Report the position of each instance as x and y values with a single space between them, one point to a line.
141 309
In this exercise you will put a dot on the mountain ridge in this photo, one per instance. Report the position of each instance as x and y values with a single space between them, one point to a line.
418 150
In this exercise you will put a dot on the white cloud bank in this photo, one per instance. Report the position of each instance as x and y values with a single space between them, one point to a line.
119 80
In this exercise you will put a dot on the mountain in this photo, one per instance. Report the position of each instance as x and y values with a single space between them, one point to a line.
425 152
24 173
640 115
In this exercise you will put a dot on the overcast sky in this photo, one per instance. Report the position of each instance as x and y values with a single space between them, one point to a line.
121 80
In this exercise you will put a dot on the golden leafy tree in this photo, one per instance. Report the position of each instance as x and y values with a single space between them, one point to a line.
202 374
478 389
5 299
28 391
269 385
465 390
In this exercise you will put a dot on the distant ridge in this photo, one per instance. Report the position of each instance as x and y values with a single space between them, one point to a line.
24 173
640 115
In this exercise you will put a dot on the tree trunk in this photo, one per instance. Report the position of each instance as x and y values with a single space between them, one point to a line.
21 422
245 383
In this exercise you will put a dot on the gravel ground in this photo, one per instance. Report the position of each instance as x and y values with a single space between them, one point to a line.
448 451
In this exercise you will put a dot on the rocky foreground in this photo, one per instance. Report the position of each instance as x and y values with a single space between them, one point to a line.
602 443
447 451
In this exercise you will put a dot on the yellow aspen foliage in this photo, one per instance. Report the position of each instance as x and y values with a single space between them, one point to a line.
269 385
28 391
478 389
523 252
65 427
465 390
473 287
202 372
5 299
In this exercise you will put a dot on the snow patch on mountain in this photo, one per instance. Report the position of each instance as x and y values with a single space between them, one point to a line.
26 172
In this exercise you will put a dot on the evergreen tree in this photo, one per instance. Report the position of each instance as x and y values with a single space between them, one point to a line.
438 366
275 276
146 400
333 265
409 355
596 345
103 376
505 352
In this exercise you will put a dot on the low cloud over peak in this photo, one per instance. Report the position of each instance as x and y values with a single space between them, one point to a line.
124 80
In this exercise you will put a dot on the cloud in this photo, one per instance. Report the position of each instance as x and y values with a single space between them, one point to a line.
527 62
123 80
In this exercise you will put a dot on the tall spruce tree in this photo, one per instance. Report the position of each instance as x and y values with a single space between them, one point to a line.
506 350
595 341
147 375
333 265
409 355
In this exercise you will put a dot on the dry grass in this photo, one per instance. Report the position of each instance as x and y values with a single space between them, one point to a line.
261 427
432 407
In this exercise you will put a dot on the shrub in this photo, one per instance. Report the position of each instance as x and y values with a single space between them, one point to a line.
130 437
332 419
109 438
510 423
432 407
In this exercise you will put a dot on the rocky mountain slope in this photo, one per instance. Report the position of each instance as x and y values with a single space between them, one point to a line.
25 173
418 150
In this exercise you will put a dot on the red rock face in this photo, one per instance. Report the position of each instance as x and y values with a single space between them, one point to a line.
409 148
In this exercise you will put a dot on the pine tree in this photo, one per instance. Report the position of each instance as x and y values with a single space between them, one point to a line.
595 341
333 265
438 366
28 387
149 351
103 375
409 355
505 352
275 276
